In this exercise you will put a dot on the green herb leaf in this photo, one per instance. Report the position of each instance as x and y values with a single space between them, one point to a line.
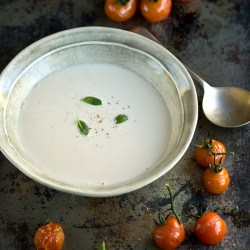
103 247
83 127
92 100
120 119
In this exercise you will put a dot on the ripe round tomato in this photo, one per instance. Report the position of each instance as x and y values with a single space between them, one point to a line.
210 228
170 235
216 183
204 156
120 10
155 10
49 237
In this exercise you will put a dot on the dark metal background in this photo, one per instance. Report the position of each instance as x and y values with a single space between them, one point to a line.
212 38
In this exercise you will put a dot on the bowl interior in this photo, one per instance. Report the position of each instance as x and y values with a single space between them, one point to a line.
162 110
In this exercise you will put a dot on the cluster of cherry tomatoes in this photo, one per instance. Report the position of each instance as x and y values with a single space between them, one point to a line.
210 228
169 234
152 10
210 154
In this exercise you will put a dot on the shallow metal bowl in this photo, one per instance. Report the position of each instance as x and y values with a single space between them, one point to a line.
98 45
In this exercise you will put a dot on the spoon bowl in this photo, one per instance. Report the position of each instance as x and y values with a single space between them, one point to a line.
227 106
223 106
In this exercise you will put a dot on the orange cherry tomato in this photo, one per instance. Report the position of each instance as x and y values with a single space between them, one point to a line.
210 228
204 156
155 10
49 237
170 235
120 10
216 183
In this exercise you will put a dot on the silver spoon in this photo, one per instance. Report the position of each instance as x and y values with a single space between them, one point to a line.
224 106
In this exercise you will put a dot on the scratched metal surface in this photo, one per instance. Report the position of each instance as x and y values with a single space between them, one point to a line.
212 38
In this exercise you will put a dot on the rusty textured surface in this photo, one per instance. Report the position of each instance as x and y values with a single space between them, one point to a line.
212 38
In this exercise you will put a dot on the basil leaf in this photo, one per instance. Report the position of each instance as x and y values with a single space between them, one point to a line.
92 100
120 119
83 127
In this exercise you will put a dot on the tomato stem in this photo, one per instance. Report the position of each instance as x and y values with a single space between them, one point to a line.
122 2
172 203
103 246
215 169
208 145
222 153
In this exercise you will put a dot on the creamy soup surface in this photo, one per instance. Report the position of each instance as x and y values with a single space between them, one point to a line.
111 153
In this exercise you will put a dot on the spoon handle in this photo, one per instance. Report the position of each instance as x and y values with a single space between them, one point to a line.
144 32
197 78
